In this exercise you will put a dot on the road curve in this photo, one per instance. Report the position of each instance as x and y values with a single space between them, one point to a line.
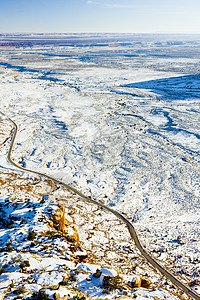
130 226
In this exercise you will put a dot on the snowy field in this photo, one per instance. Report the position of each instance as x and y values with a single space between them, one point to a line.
120 121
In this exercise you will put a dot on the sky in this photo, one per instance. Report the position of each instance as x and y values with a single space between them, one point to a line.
120 16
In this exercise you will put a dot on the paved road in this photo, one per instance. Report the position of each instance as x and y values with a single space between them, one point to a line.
130 226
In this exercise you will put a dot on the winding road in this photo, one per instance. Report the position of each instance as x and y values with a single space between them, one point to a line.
129 225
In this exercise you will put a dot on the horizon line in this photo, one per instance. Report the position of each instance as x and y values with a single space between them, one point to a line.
98 32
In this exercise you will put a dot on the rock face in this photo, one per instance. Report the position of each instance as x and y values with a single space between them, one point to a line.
60 223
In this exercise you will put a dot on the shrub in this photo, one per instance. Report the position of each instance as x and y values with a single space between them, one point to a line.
12 285
24 264
20 290
24 221
112 282
31 235
2 270
64 282
39 296
97 274
72 277
9 248
193 283
80 297
15 260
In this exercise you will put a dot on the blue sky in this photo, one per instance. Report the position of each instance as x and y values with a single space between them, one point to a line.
135 16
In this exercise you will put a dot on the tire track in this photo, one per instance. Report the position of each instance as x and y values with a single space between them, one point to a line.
129 225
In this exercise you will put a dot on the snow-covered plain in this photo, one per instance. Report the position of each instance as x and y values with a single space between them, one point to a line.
120 122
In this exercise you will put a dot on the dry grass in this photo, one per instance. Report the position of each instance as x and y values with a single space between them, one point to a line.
52 184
